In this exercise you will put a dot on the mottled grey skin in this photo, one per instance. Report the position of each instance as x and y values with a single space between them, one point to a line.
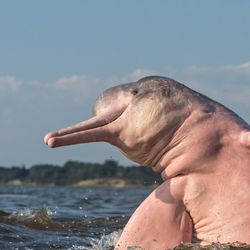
201 149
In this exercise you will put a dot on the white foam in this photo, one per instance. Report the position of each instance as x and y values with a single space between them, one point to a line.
107 241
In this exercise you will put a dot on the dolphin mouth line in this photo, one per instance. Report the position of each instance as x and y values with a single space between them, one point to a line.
113 117
93 129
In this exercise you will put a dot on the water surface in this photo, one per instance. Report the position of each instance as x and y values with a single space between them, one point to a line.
33 218
64 217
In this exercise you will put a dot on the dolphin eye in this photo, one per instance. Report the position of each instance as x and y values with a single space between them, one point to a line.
135 91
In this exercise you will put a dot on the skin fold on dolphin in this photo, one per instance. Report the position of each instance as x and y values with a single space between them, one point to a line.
201 149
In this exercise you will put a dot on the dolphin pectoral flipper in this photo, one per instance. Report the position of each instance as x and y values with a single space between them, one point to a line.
160 222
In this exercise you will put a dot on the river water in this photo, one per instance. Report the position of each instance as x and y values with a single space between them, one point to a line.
33 218
64 217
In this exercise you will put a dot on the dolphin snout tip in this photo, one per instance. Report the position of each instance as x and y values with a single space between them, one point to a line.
49 140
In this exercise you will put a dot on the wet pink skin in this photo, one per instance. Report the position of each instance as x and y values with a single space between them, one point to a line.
201 149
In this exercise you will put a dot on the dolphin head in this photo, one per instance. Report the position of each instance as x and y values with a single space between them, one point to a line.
140 118
143 119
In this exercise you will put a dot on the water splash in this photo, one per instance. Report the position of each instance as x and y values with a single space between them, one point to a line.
106 241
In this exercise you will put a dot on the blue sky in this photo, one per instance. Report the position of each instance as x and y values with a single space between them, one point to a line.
57 56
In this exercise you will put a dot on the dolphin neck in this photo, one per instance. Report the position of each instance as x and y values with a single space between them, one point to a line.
199 142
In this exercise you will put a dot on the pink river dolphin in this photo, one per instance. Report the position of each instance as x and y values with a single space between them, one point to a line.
200 147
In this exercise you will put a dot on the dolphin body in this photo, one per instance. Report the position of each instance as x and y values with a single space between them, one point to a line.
201 149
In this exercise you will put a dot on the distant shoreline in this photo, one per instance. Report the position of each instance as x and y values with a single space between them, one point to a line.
95 183
81 174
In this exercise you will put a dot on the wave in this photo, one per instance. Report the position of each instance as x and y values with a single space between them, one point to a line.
42 219
32 218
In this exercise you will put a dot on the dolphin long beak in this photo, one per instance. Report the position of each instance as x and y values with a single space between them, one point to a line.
94 129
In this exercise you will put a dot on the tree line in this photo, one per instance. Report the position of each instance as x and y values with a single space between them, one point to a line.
74 171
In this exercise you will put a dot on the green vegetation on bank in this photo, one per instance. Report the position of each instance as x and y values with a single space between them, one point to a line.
80 174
